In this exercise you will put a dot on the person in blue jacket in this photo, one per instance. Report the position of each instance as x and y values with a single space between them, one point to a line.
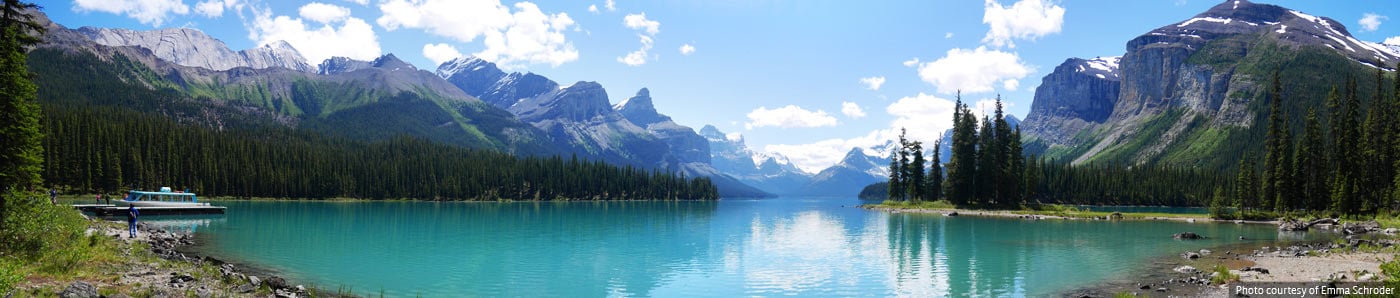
131 215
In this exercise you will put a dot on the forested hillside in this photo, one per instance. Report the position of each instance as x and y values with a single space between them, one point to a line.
106 131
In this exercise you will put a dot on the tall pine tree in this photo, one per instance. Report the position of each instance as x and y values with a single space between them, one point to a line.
896 185
935 171
1273 147
1246 185
962 166
916 179
1310 168
21 140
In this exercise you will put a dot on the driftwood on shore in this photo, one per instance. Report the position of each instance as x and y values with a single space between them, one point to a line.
1293 225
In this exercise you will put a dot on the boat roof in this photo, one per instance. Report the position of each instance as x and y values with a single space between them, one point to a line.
162 193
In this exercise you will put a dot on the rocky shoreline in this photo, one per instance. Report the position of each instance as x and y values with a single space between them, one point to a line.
175 273
1355 256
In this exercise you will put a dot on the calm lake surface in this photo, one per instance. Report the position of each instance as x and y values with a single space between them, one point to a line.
733 247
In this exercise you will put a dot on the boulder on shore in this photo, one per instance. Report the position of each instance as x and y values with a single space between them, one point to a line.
1294 225
79 289
1187 236
1361 227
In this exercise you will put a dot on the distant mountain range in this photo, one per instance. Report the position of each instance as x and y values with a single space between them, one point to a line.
1194 93
771 172
466 102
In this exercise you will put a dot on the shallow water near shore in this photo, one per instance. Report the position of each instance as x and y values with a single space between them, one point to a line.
733 247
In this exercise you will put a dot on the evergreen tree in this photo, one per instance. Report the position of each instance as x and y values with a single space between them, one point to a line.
1310 169
1284 186
1016 179
21 140
962 166
1273 147
1004 176
935 171
988 166
905 171
896 179
1345 194
1032 178
1377 149
1219 204
916 180
1246 185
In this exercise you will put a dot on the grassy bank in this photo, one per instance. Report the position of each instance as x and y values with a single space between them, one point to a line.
46 249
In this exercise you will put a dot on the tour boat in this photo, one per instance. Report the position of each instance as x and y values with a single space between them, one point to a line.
162 198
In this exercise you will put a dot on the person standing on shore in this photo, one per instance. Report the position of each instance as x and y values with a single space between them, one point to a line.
53 196
131 214
98 200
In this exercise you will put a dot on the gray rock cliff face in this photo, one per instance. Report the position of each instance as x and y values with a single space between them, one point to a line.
686 146
190 47
1076 95
336 65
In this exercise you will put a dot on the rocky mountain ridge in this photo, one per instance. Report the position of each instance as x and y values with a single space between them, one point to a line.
191 47
580 118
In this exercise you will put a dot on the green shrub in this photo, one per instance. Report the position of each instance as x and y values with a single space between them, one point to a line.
1223 275
35 231
9 275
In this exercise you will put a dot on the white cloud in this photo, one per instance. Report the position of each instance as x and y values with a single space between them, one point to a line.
649 29
638 57
360 2
911 62
987 106
973 71
789 116
324 13
873 83
440 53
1010 84
948 35
1027 19
354 38
639 21
593 8
1370 21
526 35
215 8
924 116
150 12
851 109
1393 40
687 49
816 156
612 6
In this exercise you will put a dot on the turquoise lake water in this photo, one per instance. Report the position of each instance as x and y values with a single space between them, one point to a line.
769 247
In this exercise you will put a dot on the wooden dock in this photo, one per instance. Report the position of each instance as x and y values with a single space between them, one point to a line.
113 210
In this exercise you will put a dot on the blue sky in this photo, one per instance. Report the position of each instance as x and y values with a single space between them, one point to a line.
792 77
